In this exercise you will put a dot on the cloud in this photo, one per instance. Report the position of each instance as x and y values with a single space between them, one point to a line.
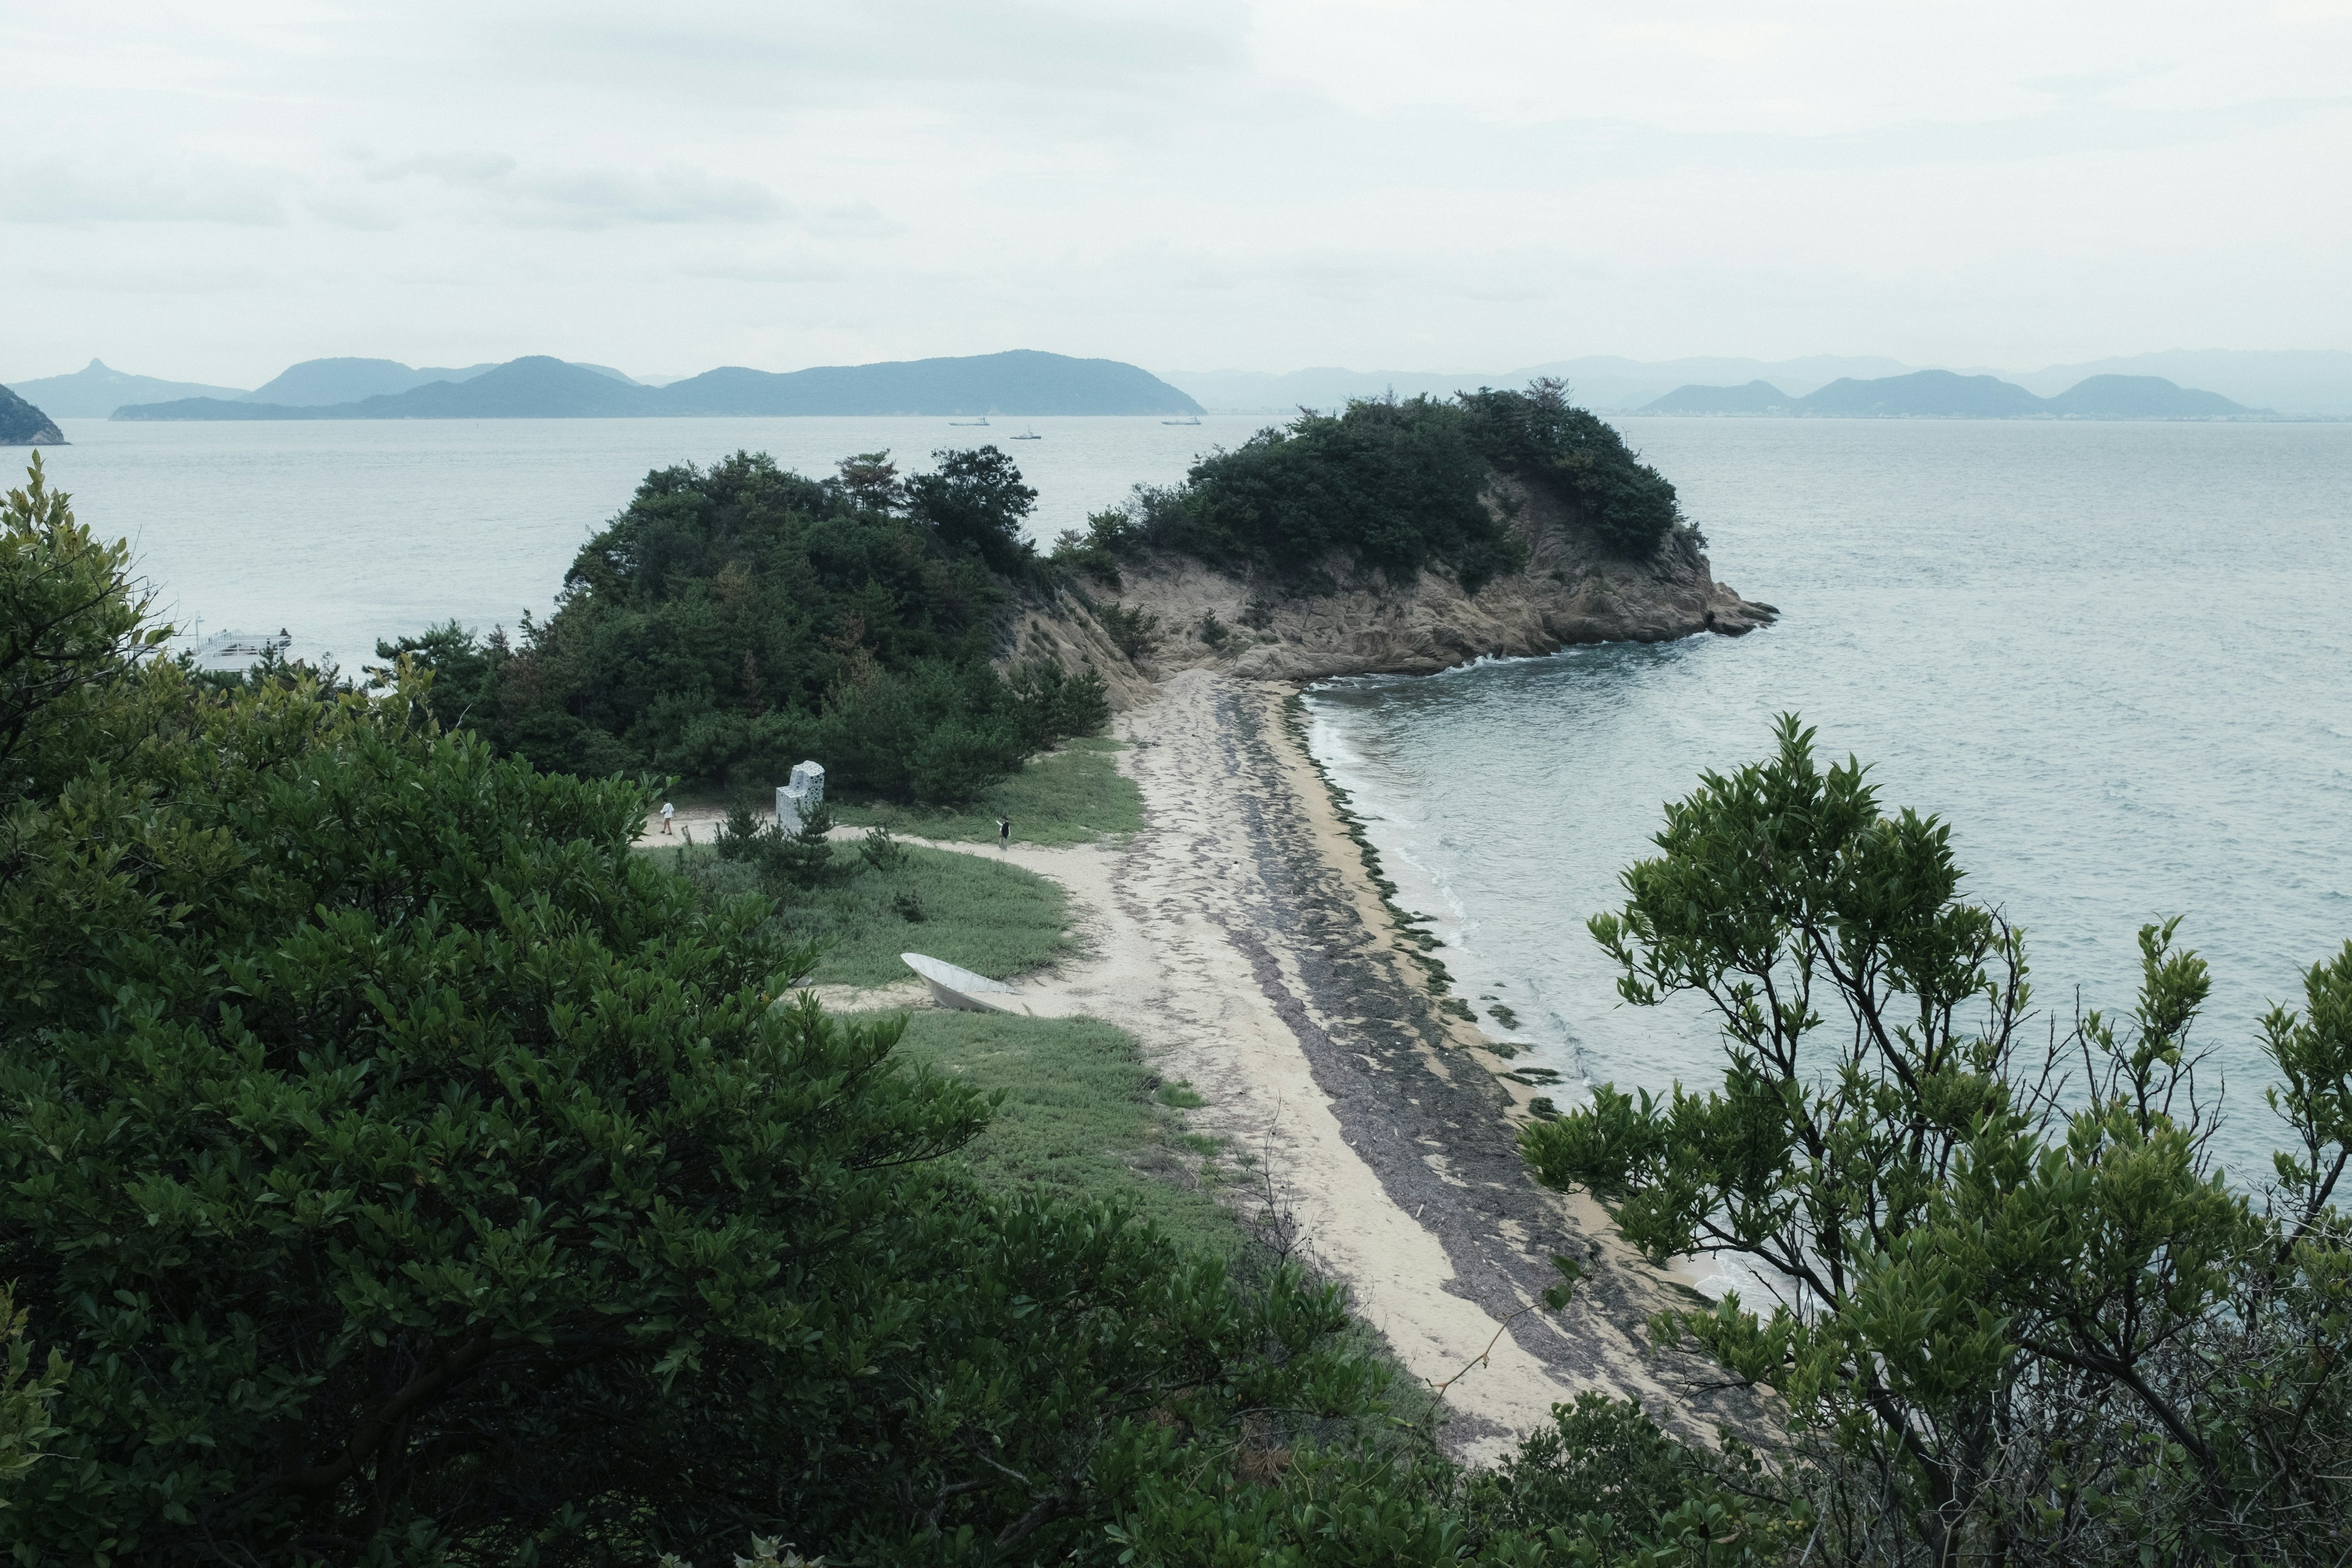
588 197
55 193
1741 42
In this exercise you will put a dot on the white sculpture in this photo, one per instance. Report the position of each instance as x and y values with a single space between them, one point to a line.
795 800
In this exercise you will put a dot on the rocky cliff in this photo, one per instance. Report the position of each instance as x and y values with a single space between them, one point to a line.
22 424
1177 614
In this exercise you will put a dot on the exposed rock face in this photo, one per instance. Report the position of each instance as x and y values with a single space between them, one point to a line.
22 424
1572 592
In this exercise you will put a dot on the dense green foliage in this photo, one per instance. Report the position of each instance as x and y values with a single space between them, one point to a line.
735 619
1391 486
2026 1318
408 1171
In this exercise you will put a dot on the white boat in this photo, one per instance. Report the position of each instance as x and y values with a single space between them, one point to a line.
236 650
961 988
1028 435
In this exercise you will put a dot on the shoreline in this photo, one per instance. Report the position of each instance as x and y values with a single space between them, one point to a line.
1248 938
1242 936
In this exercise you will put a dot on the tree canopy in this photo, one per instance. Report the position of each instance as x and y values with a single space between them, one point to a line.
735 619
1393 487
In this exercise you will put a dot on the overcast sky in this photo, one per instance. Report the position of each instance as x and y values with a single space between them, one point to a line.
211 192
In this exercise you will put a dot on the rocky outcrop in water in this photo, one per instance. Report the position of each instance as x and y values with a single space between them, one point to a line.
1572 592
22 424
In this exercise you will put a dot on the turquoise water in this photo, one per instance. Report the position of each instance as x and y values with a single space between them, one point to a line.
2117 659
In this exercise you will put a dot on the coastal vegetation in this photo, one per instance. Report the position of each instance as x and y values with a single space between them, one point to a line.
1391 486
2021 1314
735 619
398 1165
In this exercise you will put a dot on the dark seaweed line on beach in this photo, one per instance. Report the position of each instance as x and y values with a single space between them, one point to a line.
1371 1054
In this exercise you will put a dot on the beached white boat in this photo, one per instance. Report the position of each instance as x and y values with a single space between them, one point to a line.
961 988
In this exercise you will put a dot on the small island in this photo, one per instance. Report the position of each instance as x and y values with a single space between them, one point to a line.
22 424
1945 395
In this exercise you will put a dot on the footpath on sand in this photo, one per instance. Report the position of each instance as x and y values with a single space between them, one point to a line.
1240 938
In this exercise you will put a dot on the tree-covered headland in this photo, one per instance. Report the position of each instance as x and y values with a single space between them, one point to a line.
735 619
1393 487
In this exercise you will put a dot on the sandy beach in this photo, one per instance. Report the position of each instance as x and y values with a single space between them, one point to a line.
1239 937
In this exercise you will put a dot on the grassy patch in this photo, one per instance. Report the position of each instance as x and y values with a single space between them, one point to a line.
978 912
1073 795
1078 1119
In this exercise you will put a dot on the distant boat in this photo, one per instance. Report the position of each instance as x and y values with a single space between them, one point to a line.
235 650
1194 420
981 423
961 988
1028 435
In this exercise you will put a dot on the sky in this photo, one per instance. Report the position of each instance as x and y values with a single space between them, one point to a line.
211 192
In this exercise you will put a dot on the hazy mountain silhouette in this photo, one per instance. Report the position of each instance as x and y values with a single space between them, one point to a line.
2140 398
1941 395
2292 381
1756 397
1603 382
1020 383
324 383
96 390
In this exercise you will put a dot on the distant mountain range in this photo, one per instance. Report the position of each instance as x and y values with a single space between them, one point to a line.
1604 382
1942 394
96 390
537 388
2292 382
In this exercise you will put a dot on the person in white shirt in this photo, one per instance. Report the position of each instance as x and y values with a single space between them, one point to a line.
669 811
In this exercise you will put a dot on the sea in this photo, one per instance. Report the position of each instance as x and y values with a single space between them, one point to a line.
2115 658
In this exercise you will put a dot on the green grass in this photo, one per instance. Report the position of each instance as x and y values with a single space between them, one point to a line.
1073 796
984 913
1079 1120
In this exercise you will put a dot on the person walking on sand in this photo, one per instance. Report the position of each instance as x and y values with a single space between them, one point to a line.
669 811
1004 833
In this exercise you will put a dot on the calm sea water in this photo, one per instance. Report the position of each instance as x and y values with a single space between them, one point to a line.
344 532
2115 658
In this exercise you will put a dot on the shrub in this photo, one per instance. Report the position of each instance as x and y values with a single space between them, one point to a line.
1135 631
2016 1308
